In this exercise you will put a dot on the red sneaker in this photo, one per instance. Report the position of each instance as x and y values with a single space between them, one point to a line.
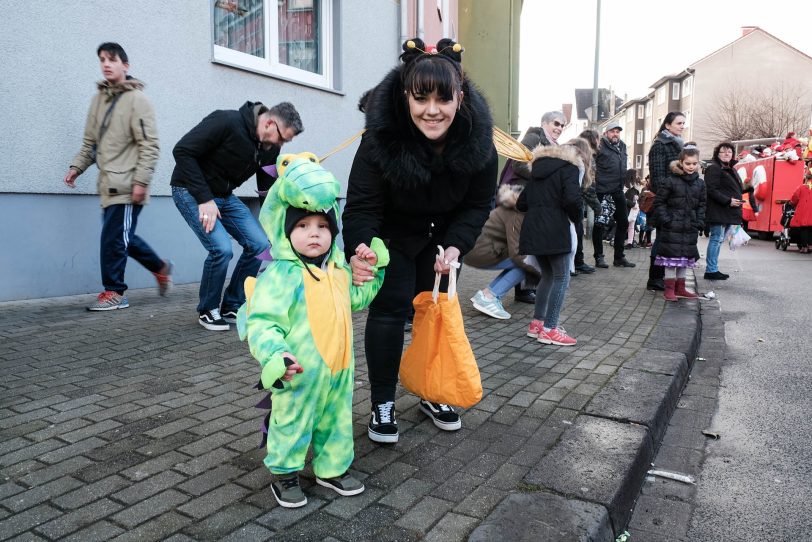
536 327
559 337
164 279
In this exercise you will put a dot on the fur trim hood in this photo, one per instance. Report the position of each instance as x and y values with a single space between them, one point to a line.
111 89
562 155
567 153
403 154
676 170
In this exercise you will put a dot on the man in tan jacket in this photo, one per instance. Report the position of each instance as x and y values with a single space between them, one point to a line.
121 138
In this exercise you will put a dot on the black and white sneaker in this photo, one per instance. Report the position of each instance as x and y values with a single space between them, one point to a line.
229 315
442 415
212 321
383 427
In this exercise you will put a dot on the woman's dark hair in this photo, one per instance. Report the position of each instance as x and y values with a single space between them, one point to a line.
114 50
424 73
630 177
685 153
720 146
669 118
592 137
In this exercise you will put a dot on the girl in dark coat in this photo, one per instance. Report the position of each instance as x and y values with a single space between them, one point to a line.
423 176
724 204
679 209
664 150
552 201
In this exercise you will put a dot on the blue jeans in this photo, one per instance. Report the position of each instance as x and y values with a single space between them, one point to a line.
717 237
236 221
510 276
552 288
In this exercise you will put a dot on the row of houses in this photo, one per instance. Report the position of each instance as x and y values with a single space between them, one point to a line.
196 57
754 73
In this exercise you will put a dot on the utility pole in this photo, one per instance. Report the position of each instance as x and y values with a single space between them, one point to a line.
597 57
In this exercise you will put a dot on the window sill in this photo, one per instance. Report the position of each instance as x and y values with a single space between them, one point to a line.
276 76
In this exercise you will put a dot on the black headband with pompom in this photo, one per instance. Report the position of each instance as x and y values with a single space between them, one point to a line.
446 48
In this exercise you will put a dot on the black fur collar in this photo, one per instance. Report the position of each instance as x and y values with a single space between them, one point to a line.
401 151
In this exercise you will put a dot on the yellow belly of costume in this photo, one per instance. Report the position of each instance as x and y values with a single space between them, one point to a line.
328 312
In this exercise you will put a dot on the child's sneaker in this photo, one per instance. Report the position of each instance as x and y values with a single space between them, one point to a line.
535 327
344 485
492 307
287 492
164 279
108 301
557 336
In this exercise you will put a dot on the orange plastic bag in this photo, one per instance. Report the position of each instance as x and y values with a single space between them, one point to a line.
439 365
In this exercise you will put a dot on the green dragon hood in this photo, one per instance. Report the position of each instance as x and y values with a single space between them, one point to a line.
305 184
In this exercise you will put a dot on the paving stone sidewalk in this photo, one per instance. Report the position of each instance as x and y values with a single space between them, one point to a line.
139 424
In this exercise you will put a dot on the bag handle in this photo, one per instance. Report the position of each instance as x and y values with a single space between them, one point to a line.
452 278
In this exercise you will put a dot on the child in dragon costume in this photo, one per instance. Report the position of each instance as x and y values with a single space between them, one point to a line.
298 325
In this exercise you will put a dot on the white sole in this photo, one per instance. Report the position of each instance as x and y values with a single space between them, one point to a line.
482 309
379 437
212 327
284 504
342 492
445 426
108 308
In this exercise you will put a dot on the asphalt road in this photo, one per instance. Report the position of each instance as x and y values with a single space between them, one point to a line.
756 482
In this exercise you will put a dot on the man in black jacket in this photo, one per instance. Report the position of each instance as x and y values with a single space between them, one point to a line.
610 167
222 152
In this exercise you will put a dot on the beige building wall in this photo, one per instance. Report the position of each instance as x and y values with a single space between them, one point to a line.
757 60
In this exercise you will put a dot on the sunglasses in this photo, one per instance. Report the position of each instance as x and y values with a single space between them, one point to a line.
559 124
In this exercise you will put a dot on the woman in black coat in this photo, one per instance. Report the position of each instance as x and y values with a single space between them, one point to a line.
724 207
679 209
552 201
424 175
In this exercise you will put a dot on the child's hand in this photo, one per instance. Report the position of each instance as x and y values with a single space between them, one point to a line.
366 254
292 366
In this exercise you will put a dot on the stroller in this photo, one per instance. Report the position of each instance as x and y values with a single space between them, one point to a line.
787 236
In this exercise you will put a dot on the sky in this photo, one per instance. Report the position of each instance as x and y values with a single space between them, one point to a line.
641 41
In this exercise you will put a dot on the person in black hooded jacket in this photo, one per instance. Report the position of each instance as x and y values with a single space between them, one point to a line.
679 209
211 160
424 175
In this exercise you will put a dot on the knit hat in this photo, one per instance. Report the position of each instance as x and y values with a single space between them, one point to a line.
294 214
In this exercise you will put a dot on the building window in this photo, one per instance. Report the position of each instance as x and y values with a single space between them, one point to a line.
641 111
639 137
661 94
648 134
630 114
648 108
638 161
675 91
687 86
291 39
687 118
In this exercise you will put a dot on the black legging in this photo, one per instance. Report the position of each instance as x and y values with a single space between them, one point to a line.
804 236
383 340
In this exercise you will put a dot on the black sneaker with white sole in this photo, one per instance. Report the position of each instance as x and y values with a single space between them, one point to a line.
287 492
229 315
442 415
383 427
212 321
345 485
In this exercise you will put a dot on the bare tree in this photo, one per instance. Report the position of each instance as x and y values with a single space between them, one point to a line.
752 113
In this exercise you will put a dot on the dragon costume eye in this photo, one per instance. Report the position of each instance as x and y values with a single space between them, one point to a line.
283 162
